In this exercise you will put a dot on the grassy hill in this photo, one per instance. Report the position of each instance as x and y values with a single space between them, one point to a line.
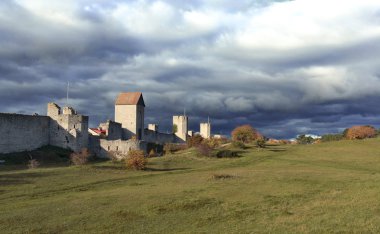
324 188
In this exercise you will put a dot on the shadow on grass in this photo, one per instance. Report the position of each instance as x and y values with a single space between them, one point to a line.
24 167
109 167
20 178
229 153
47 156
14 182
167 169
275 148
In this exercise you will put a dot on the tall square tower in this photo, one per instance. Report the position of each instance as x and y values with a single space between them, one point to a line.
180 124
129 111
205 130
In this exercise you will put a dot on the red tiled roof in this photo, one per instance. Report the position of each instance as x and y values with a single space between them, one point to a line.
98 131
130 98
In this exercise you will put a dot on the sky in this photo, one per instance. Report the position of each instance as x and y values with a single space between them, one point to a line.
285 67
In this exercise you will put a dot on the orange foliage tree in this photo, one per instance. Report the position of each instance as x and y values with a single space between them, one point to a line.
360 132
136 160
245 134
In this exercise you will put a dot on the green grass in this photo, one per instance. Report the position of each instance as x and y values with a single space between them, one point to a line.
326 188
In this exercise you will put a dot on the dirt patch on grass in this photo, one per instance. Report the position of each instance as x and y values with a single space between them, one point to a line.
222 176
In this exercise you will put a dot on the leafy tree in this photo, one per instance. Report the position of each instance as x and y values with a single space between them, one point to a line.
238 144
332 137
136 160
194 141
303 139
345 133
204 150
360 132
261 143
245 134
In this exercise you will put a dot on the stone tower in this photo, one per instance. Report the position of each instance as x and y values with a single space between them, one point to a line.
205 130
153 127
129 111
67 129
181 123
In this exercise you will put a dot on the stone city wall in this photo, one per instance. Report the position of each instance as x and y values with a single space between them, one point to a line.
23 132
159 138
102 147
69 131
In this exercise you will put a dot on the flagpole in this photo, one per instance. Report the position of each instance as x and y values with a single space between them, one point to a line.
67 93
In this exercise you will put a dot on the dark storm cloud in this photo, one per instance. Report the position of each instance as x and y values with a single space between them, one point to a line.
286 67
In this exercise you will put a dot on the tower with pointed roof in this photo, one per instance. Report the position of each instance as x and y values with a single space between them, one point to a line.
129 111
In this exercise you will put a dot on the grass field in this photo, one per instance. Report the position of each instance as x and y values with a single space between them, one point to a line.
325 188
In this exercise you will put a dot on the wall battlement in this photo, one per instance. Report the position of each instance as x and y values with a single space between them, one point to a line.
64 128
28 132
67 130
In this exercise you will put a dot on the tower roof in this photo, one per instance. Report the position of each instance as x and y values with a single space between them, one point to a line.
130 98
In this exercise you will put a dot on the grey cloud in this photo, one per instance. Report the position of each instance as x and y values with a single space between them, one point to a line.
314 88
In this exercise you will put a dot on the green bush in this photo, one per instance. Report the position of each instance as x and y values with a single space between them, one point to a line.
260 143
332 137
227 154
194 141
238 144
170 148
204 150
303 139
245 134
213 142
